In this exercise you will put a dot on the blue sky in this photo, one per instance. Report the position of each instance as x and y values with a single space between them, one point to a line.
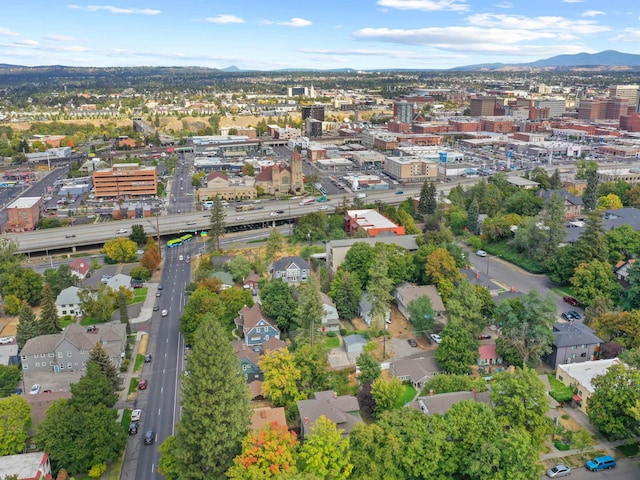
323 34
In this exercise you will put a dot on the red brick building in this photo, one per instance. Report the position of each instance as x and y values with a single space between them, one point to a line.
23 214
630 123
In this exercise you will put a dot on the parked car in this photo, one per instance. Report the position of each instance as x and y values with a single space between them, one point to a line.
149 437
576 315
481 253
133 428
412 342
136 414
6 340
147 359
600 463
142 385
570 300
435 338
35 389
156 308
559 471
17 391
159 286
158 294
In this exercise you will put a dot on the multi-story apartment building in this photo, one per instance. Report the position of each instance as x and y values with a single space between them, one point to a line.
602 109
403 111
411 169
629 92
126 181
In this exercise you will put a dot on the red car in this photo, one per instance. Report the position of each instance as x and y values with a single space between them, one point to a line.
570 300
142 385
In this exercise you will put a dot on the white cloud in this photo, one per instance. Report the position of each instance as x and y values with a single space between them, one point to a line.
451 35
26 43
504 5
71 48
116 10
629 35
294 22
367 53
59 38
548 23
224 19
426 5
592 13
8 33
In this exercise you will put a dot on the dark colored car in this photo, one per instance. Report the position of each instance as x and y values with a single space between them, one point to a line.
575 315
280 212
570 300
567 316
142 385
137 284
412 342
156 308
149 437
133 428
147 359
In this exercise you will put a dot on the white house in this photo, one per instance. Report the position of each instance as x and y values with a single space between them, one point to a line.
364 310
68 302
330 318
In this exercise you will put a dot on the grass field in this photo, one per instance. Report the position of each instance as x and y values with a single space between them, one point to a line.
139 361
559 390
140 294
408 393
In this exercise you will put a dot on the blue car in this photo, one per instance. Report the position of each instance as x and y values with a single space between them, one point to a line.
600 463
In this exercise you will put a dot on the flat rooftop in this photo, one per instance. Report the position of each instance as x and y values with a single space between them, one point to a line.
367 219
585 372
24 202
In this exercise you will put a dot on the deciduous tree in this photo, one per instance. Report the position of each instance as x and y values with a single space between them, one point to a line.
279 304
325 453
386 394
379 290
459 348
358 260
201 303
594 279
281 378
610 406
239 267
15 413
421 314
268 453
215 406
121 250
311 362
442 266
369 368
345 292
151 258
275 245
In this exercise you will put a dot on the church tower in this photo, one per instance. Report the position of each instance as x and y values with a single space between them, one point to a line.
297 181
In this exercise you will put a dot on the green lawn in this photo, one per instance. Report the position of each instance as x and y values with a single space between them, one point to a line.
140 294
139 361
86 321
66 321
504 250
408 393
133 386
559 391
331 342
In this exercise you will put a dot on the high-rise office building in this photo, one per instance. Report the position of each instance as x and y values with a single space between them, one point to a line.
483 106
629 92
403 111
313 111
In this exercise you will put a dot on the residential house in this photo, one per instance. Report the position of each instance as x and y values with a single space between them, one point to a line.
225 279
291 269
254 326
364 310
273 344
406 292
69 350
336 250
68 302
255 391
249 361
119 280
252 281
263 416
26 466
354 344
622 269
442 402
415 370
330 318
342 410
572 203
579 376
573 342
9 353
488 355
80 268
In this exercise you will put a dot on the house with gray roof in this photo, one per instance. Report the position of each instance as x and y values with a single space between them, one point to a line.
330 317
69 350
573 342
406 292
442 402
291 269
572 203
336 250
254 326
364 310
415 370
119 280
342 410
68 302
354 344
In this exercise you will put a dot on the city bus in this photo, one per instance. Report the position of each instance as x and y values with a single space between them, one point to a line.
176 242
186 238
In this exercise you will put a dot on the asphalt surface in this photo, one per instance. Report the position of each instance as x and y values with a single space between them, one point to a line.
626 470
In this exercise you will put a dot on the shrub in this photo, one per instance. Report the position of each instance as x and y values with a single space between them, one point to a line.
561 446
343 332
332 334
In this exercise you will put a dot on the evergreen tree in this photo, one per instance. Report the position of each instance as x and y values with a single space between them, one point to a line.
472 217
424 194
554 233
592 244
555 182
28 327
379 289
590 196
432 202
100 357
310 310
345 291
48 323
217 223
215 407
124 313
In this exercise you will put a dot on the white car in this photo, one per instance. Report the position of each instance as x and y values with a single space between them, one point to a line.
122 230
273 214
164 313
136 414
436 338
181 257
323 207
6 340
35 389
239 218
481 253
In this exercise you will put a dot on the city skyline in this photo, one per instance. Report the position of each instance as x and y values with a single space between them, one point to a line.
360 34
